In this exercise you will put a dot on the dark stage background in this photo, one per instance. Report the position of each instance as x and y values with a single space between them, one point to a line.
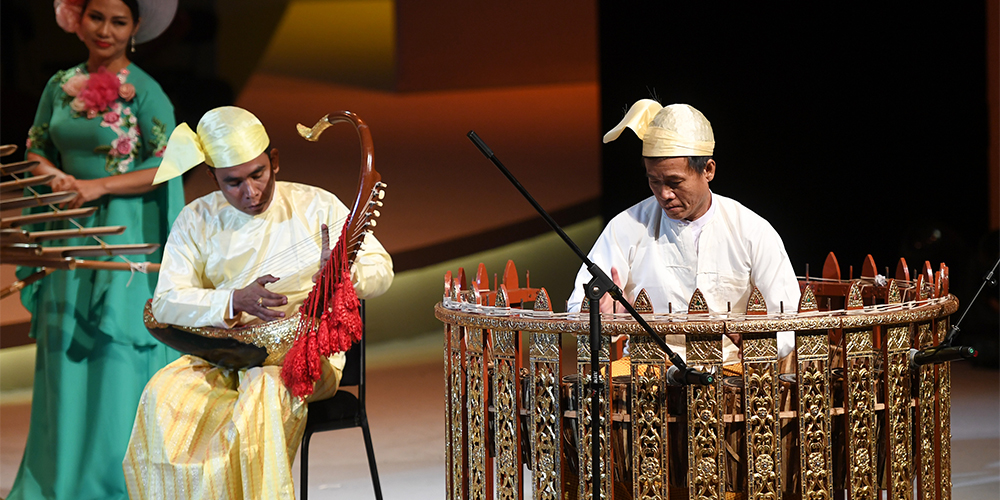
854 130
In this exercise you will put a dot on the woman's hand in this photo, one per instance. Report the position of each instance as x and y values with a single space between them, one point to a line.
63 182
87 190
254 299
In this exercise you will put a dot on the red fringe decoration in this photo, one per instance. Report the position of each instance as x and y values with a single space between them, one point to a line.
329 322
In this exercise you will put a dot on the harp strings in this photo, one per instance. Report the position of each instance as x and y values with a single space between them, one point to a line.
281 264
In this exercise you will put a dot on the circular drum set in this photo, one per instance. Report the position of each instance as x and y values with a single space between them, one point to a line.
856 410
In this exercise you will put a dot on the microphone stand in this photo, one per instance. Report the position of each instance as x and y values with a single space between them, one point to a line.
953 331
594 290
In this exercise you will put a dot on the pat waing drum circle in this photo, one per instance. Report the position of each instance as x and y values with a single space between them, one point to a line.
847 413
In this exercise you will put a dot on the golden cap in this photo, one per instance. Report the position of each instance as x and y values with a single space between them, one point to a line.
674 130
227 136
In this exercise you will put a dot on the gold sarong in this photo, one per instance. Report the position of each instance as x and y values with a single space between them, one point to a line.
206 432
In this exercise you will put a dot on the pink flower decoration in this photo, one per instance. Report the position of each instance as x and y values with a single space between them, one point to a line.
68 14
124 146
101 90
158 153
28 144
126 91
78 105
74 85
111 117
92 113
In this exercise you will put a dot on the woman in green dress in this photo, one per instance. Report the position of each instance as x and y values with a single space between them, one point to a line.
100 129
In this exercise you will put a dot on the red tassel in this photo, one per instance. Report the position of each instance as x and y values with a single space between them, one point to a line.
339 325
301 368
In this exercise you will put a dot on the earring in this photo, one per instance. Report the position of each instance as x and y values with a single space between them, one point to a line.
133 44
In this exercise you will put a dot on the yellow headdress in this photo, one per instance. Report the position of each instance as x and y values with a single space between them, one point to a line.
227 136
675 130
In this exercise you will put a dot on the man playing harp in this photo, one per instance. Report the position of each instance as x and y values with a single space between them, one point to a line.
684 236
244 254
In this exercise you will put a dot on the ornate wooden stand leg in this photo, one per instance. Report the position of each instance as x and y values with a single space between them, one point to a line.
859 405
812 353
476 401
583 403
505 393
456 403
899 455
706 474
943 406
476 414
546 416
926 481
649 420
760 390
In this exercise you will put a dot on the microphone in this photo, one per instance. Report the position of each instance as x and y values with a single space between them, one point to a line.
688 376
940 354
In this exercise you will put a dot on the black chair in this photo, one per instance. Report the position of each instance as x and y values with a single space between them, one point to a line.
343 411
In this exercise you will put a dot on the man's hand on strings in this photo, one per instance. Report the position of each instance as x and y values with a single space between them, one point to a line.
256 300
325 253
607 302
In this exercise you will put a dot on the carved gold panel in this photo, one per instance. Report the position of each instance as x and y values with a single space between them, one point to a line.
927 486
706 471
763 434
944 416
642 304
807 302
649 421
898 432
546 415
448 425
476 401
854 299
813 351
697 304
585 423
860 408
756 303
505 443
457 404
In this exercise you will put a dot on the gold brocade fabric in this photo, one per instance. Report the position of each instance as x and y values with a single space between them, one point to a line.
205 432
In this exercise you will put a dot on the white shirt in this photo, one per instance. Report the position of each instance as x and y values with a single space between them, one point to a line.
736 249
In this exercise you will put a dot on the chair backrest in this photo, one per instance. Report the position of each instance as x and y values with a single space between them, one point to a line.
354 367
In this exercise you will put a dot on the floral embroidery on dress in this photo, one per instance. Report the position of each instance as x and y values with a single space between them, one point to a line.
125 147
38 137
159 141
90 94
96 94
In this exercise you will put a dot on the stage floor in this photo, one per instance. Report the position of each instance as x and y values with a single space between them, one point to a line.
406 411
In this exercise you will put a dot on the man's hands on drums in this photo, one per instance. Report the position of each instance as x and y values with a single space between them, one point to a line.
256 300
